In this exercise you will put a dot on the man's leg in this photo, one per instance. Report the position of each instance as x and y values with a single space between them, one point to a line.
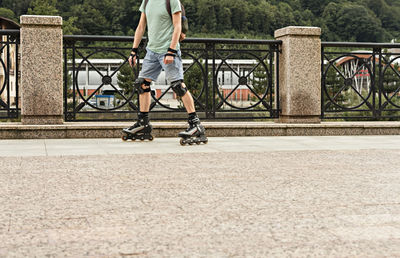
142 128
151 69
188 102
145 97
195 133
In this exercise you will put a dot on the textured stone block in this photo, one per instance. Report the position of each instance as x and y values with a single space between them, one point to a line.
213 129
41 70
300 74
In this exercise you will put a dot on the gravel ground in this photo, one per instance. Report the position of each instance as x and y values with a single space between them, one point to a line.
217 204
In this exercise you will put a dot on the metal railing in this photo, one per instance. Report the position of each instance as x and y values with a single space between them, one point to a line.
228 78
9 74
360 81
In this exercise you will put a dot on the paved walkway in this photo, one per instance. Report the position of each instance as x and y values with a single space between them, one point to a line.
63 147
253 196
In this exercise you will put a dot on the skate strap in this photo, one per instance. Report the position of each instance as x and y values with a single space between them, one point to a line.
194 120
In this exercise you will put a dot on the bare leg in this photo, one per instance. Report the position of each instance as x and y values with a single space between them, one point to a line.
188 102
142 128
145 99
195 133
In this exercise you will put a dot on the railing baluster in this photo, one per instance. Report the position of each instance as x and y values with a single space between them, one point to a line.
9 107
208 98
369 75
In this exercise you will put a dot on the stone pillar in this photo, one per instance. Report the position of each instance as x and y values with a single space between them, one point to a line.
41 70
300 74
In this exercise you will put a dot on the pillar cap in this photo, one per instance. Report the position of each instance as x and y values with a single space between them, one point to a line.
298 31
43 20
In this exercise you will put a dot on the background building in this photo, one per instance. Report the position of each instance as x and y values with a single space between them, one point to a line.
90 77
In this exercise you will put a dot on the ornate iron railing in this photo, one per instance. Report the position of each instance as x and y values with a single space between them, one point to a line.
360 81
9 74
229 79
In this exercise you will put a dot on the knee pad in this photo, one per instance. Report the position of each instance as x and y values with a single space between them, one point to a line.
138 85
177 87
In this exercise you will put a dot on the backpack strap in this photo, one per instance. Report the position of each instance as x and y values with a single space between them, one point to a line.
183 10
168 4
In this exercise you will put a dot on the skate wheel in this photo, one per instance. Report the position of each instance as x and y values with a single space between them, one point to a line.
206 141
124 138
141 139
198 143
133 139
151 138
182 142
190 143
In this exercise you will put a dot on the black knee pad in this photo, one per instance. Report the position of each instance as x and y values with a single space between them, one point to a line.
138 85
177 87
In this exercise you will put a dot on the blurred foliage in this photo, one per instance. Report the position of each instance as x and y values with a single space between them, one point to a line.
340 20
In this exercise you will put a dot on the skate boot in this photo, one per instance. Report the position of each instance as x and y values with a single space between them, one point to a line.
140 130
195 133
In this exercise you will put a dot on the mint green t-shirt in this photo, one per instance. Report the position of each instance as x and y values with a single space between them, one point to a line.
159 24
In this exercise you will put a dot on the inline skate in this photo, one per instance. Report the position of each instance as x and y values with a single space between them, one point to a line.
141 130
194 134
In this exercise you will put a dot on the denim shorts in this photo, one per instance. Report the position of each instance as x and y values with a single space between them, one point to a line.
153 63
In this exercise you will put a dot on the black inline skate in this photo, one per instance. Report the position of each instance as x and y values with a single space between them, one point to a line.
195 133
141 130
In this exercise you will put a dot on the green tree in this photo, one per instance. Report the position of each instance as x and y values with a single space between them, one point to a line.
207 16
43 7
19 7
69 27
260 81
352 22
125 78
284 16
194 82
240 15
335 89
315 6
340 20
389 15
91 20
391 87
7 13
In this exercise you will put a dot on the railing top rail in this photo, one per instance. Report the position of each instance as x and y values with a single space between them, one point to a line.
187 40
360 44
9 32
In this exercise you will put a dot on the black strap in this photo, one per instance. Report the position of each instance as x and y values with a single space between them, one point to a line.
169 54
169 8
183 10
168 4
173 50
147 83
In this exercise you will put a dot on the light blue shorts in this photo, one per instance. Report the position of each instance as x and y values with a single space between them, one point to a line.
153 63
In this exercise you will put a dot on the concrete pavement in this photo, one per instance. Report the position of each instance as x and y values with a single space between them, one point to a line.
250 196
62 147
